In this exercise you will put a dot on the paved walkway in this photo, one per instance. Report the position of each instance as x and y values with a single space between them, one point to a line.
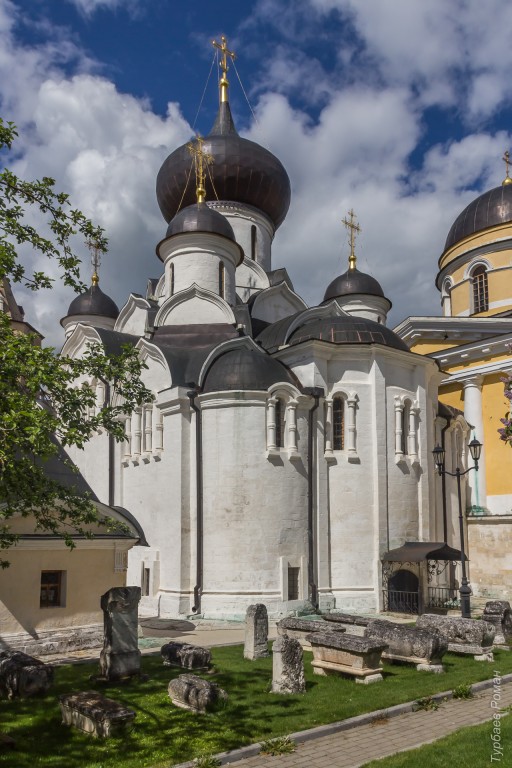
383 737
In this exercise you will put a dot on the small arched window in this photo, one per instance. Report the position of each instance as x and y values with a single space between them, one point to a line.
338 440
480 290
280 422
222 280
446 299
406 411
171 280
253 242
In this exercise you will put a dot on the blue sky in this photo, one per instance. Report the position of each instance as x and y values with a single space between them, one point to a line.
400 109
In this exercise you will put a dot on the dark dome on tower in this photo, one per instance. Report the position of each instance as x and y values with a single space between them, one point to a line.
242 172
93 302
200 218
353 281
490 209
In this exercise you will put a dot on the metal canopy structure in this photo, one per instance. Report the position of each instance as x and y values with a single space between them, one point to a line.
418 551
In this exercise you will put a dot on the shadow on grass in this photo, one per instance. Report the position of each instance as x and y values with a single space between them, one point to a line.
164 734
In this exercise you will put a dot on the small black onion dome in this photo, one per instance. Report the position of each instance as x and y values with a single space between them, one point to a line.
492 208
353 281
343 329
93 302
242 172
245 369
200 218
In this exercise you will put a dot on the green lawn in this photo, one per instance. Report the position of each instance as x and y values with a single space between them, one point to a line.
467 748
164 735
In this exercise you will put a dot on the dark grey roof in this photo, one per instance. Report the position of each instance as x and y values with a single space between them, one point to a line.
336 329
416 551
277 276
93 302
200 218
492 208
245 369
242 171
114 341
353 281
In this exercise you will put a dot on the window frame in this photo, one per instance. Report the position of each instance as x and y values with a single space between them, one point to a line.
59 584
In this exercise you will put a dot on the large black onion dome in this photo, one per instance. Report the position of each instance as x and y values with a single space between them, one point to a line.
492 208
342 329
245 369
200 218
242 172
93 302
353 281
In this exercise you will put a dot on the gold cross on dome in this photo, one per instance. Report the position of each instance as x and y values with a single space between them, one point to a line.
223 48
201 161
95 252
354 228
506 160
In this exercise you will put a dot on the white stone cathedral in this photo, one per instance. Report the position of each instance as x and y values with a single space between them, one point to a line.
287 448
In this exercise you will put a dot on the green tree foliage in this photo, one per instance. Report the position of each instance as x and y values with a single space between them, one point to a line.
46 402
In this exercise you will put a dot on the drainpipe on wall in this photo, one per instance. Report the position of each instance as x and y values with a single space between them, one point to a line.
316 393
443 486
192 394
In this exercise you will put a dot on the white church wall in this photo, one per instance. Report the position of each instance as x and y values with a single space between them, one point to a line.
253 230
255 507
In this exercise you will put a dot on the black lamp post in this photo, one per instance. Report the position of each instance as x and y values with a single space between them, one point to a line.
475 449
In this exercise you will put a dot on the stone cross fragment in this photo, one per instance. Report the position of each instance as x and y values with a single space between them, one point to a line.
287 666
499 614
256 632
120 655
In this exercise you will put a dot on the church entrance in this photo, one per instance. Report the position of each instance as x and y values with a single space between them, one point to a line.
403 592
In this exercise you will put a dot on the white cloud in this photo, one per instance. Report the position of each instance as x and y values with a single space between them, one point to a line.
89 7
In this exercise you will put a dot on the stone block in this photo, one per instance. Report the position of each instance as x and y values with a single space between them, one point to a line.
22 675
195 694
301 628
465 636
93 713
499 614
186 656
335 653
287 666
120 655
256 632
409 644
353 623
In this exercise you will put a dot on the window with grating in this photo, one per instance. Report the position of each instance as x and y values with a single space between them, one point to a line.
51 589
480 290
405 427
338 439
293 583
222 280
172 280
280 422
253 242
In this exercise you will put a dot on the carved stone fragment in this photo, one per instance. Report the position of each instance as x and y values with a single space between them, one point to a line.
287 666
186 656
195 694
256 632
22 675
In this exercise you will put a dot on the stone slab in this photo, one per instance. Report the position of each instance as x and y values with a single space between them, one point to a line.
186 656
95 714
22 675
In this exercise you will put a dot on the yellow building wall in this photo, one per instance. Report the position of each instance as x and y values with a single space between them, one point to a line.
498 454
490 561
89 574
452 395
427 346
485 237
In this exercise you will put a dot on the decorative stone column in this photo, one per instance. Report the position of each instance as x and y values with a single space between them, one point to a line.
399 410
148 428
128 442
351 426
271 425
412 442
137 432
159 432
292 426
474 417
328 428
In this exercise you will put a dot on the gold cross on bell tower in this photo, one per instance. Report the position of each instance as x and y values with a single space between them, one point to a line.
95 252
354 228
506 160
223 48
201 161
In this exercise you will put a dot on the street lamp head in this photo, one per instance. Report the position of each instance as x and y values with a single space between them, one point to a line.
438 453
475 449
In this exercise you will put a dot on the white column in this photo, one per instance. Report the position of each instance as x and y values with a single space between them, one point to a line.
128 442
271 424
351 425
328 427
137 431
399 409
412 442
148 428
292 426
474 417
